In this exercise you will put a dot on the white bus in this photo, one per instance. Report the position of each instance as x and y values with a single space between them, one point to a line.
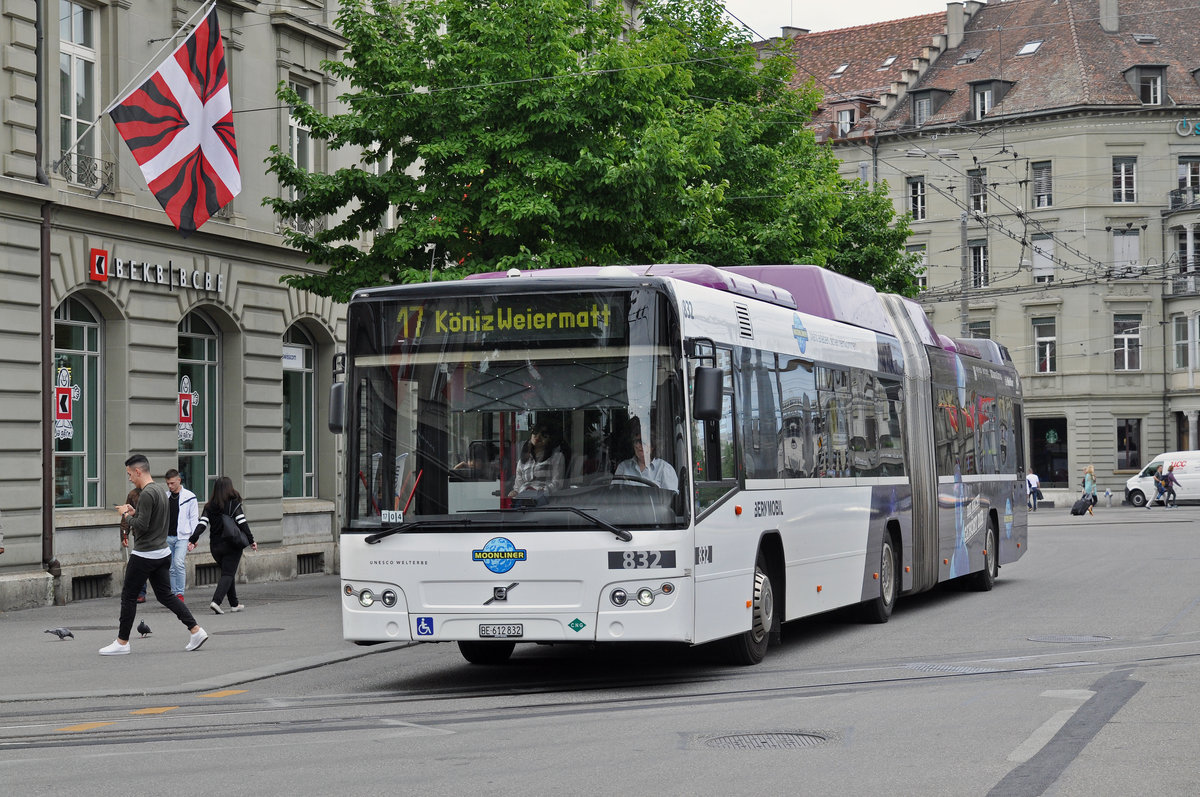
667 453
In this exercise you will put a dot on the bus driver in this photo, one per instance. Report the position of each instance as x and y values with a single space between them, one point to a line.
643 464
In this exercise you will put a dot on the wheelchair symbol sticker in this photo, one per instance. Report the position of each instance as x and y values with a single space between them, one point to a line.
424 626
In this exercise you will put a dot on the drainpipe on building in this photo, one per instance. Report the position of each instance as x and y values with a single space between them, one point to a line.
963 305
47 326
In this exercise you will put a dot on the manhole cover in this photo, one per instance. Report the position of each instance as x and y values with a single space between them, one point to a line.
788 740
1069 638
244 631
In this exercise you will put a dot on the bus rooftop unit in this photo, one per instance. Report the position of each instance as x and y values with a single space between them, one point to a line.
664 453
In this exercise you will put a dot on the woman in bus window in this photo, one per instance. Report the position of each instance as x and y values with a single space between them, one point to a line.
541 467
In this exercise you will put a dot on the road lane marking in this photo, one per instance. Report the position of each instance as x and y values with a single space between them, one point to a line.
86 726
1038 739
159 710
225 693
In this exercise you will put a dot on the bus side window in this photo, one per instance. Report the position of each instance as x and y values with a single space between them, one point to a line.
714 446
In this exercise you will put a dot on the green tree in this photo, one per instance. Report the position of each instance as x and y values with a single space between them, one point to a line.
532 133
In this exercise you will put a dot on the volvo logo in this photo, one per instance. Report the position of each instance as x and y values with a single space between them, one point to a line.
500 593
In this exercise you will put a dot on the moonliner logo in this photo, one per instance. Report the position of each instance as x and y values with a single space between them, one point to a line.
799 332
499 555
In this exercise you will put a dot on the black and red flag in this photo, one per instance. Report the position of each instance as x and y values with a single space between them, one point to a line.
179 127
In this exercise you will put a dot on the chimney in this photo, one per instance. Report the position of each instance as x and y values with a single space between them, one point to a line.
790 33
1110 19
956 21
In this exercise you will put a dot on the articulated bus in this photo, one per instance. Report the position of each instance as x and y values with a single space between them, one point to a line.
664 453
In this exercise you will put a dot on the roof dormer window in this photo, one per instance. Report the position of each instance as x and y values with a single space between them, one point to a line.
1145 38
1030 47
838 72
891 59
1150 83
968 57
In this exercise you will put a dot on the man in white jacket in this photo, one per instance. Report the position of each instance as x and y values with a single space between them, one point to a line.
182 519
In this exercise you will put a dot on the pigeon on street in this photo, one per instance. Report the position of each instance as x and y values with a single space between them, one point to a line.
61 633
143 629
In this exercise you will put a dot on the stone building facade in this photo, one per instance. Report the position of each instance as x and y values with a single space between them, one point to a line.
1047 152
117 334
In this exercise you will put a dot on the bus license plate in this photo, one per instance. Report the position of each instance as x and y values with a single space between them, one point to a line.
510 631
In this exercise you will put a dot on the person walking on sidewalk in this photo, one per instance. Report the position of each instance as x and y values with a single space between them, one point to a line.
1033 488
1089 487
1160 488
150 558
183 516
228 555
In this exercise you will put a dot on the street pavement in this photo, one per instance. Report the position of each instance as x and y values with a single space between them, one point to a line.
287 626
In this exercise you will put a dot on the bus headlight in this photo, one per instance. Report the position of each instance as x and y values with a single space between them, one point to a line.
645 596
366 597
619 597
388 598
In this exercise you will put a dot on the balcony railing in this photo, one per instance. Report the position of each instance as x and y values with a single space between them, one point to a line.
86 171
1184 284
1182 198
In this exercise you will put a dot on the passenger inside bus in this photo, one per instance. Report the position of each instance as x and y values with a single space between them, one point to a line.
478 466
643 465
541 469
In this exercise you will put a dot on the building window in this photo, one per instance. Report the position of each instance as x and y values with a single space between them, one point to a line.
1189 172
891 59
199 399
299 413
1124 179
977 190
1126 248
982 98
299 136
1129 441
78 84
916 197
979 329
1045 345
979 263
923 264
1182 339
76 392
841 69
1127 342
845 121
1030 47
1150 86
922 108
1043 185
1043 258
1181 252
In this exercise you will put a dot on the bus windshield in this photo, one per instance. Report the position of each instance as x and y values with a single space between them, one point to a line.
469 410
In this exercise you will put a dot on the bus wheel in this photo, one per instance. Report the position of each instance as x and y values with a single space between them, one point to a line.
1137 498
985 579
879 608
749 647
486 652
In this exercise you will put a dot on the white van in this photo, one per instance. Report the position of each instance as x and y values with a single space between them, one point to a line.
1140 488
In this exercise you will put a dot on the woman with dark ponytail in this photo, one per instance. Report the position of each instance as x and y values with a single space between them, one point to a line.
224 500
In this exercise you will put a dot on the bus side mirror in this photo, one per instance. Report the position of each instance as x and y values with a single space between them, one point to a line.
337 407
707 390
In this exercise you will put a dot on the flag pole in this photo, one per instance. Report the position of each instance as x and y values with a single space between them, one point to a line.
129 86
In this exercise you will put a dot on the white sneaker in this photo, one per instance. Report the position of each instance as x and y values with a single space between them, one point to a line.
241 607
216 609
115 649
196 641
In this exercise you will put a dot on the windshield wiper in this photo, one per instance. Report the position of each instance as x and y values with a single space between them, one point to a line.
416 524
620 533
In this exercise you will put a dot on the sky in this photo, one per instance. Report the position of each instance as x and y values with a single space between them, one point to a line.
768 16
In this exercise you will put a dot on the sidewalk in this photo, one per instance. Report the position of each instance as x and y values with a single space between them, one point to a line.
287 626
1122 514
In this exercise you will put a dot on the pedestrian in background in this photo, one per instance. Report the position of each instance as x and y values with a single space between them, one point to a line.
150 558
183 516
1160 487
225 500
1170 482
1033 488
1089 487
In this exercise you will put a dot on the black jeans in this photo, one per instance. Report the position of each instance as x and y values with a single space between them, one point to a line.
228 560
158 571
